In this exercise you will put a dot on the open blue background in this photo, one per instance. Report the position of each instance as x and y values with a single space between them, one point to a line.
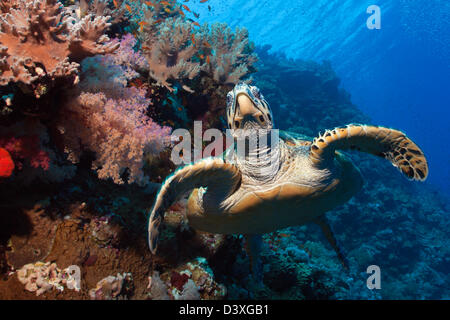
398 75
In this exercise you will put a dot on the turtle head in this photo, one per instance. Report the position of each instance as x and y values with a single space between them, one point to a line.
247 109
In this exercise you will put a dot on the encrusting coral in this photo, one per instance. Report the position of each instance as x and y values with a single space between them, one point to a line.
191 281
41 277
112 287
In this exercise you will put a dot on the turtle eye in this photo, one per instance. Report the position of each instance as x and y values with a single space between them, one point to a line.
256 93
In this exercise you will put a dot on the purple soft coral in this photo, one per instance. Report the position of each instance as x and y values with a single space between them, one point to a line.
110 118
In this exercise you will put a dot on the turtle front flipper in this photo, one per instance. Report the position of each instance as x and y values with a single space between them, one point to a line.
221 180
390 144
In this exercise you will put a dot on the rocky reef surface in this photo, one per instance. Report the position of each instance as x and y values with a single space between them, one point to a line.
84 145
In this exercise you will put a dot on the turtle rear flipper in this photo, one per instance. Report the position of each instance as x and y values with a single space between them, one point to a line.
221 179
390 144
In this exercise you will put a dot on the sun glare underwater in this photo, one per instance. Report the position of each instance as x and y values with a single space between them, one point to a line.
122 176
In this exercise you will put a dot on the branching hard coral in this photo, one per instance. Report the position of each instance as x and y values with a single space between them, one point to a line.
229 55
38 44
170 53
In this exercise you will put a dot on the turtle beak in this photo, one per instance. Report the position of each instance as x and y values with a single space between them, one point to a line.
246 106
247 113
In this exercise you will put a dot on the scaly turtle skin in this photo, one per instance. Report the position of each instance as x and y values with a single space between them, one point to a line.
293 183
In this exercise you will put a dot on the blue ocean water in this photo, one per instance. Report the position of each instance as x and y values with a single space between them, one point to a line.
399 75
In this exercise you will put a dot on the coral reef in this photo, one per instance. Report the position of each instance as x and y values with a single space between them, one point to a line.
99 8
38 46
170 53
41 277
113 287
92 97
191 281
229 55
97 114
118 131
27 143
117 128
158 290
6 164
27 146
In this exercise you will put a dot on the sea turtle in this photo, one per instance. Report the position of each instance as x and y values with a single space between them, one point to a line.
294 183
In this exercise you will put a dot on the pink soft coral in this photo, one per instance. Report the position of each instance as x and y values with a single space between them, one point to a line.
130 60
116 129
110 118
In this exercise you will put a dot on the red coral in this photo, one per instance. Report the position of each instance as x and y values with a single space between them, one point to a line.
6 164
26 147
178 280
